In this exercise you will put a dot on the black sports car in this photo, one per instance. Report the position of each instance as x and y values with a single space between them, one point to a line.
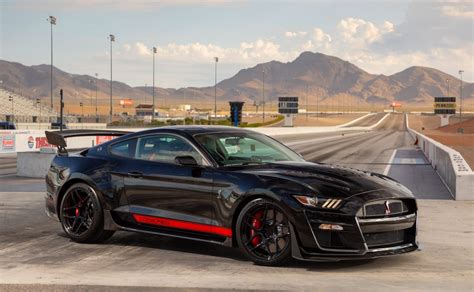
228 186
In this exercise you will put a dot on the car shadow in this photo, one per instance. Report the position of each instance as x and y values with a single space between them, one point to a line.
175 244
208 249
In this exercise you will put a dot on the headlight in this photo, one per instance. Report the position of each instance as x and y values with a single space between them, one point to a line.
313 201
307 201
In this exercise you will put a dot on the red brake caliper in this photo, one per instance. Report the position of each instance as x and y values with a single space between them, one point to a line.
257 224
77 212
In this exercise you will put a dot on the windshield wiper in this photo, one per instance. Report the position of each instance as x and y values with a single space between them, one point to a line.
252 162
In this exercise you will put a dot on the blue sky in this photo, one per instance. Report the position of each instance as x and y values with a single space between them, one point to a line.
378 36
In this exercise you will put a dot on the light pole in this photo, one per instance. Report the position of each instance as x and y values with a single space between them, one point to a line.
81 104
38 104
317 104
146 92
52 21
10 98
307 90
184 105
96 115
263 94
215 88
447 82
153 111
112 39
460 95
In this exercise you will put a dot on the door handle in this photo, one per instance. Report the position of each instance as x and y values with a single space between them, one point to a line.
135 174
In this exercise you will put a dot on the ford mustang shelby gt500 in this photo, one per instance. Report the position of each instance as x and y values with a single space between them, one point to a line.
227 186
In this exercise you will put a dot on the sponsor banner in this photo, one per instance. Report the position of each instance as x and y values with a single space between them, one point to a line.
31 142
42 142
103 139
7 143
34 140
124 102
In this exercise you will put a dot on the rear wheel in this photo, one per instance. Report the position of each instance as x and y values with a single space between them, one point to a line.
263 233
82 216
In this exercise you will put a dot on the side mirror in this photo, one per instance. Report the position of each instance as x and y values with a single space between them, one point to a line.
186 160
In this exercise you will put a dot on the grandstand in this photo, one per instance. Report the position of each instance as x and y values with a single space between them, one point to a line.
25 110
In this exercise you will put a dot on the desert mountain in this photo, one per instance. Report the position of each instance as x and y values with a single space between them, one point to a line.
325 78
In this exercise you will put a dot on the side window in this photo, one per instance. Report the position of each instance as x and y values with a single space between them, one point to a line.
165 148
125 148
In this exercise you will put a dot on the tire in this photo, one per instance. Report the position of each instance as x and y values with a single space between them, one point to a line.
82 216
263 233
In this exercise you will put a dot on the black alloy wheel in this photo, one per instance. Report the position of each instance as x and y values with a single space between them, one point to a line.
82 216
263 233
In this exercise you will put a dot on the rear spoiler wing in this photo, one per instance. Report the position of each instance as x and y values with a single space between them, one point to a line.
58 138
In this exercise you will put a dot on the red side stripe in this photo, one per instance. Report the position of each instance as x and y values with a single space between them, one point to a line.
178 224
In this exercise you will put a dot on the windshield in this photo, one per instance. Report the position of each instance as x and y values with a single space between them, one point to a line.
245 148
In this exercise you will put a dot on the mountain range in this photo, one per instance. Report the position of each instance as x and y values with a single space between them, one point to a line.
325 78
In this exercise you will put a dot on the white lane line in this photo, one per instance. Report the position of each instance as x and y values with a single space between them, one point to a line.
302 142
8 175
379 122
387 168
356 120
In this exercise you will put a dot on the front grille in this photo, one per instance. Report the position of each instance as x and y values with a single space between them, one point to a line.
382 208
385 238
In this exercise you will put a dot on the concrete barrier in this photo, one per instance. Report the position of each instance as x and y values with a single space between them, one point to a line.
33 164
449 164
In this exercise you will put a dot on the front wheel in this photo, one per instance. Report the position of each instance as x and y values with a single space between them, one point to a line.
82 216
263 233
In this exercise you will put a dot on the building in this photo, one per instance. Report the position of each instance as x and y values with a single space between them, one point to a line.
145 110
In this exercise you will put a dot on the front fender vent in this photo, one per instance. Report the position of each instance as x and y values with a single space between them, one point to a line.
331 204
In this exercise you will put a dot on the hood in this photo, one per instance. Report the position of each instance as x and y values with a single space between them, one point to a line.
330 180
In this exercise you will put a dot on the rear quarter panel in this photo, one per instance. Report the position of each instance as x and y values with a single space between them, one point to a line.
95 171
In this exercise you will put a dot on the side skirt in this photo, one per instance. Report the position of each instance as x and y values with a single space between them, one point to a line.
227 242
111 224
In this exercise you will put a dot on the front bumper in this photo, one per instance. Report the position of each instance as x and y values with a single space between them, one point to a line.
360 238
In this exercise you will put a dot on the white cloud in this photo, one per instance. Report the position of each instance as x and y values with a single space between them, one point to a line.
321 36
362 32
294 34
319 40
387 27
247 53
459 9
142 49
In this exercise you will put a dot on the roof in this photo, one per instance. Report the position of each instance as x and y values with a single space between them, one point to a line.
197 129
144 106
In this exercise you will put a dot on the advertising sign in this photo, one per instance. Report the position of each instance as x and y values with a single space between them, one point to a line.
288 104
31 142
7 143
444 105
126 102
103 139
42 142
